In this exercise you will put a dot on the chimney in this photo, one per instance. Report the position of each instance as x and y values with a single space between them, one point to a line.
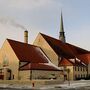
26 36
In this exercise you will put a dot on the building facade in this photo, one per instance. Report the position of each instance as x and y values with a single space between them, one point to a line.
21 61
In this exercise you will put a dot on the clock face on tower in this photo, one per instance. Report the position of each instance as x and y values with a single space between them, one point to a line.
5 61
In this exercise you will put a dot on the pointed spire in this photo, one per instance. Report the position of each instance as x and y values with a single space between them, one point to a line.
61 24
62 35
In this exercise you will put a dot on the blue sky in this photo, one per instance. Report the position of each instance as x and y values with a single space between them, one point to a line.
44 16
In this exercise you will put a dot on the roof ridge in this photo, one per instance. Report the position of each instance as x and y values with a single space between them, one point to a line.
77 47
51 37
65 43
21 42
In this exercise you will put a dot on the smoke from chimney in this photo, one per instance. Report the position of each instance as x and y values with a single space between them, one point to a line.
8 21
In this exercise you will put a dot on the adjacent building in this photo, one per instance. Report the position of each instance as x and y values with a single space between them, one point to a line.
22 61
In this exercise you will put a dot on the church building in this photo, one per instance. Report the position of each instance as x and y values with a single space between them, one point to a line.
74 60
47 58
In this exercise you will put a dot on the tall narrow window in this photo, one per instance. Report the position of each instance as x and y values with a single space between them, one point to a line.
78 68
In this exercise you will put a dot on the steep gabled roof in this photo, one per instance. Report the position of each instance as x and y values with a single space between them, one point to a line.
28 53
77 50
66 62
60 48
80 53
67 50
84 58
39 66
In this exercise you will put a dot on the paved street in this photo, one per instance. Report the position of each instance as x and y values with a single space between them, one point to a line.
74 85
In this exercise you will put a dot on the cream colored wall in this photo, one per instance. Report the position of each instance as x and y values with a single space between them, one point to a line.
24 75
41 42
7 51
46 74
40 74
70 73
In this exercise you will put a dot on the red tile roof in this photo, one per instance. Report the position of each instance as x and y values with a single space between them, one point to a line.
27 53
67 50
39 66
65 62
81 54
84 58
77 50
59 47
68 62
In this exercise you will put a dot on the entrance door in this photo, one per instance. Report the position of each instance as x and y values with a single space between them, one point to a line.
9 74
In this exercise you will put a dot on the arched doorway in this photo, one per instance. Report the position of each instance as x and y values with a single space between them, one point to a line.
9 74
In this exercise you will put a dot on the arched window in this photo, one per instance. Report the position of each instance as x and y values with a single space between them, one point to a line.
5 61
